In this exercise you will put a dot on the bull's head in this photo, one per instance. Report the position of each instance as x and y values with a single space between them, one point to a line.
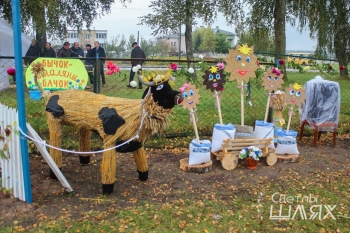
162 92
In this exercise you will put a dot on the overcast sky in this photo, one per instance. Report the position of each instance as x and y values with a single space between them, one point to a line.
125 21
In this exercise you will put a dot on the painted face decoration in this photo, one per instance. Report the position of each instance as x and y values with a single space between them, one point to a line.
294 95
190 96
214 79
272 80
241 63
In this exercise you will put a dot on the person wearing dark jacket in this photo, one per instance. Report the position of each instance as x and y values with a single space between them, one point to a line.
33 52
77 50
65 51
100 52
48 51
136 52
89 64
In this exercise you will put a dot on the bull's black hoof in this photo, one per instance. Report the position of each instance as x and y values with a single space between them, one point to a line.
143 176
52 175
84 159
107 189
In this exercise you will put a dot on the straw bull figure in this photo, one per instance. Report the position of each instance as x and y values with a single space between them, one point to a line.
117 120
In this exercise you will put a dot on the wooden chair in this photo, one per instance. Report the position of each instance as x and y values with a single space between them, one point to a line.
318 130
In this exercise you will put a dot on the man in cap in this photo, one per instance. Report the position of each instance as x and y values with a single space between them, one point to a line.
139 55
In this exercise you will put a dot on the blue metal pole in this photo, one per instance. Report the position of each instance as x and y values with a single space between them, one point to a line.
17 41
276 62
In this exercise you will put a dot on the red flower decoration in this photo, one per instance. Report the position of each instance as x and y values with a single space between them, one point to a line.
330 67
11 71
281 61
341 67
173 66
112 68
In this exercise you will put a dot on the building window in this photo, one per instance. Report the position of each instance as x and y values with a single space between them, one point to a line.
101 35
72 35
87 36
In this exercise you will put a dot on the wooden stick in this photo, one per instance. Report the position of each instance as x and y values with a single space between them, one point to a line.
290 118
267 108
195 125
242 104
219 107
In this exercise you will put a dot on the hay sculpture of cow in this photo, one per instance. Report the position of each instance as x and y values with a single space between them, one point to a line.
115 119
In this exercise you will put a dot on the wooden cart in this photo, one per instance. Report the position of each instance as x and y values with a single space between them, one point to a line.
229 153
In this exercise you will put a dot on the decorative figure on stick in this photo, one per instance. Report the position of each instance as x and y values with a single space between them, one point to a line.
272 80
199 149
286 141
242 64
214 80
294 96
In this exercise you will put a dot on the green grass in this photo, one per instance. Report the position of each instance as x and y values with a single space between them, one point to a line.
180 118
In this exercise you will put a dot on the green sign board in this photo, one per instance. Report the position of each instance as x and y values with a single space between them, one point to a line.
60 74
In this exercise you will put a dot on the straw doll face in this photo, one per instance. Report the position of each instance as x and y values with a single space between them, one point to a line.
214 79
190 96
294 95
241 63
272 80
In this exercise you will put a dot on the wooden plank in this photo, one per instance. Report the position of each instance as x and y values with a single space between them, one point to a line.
32 133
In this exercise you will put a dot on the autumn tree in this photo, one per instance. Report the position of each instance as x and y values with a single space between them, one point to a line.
260 38
222 45
131 40
206 38
273 15
53 17
169 15
328 22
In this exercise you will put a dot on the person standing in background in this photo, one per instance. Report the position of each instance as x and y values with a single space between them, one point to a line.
101 53
33 53
65 51
89 63
75 48
48 51
136 52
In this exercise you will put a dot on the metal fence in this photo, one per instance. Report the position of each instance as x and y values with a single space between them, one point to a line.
254 103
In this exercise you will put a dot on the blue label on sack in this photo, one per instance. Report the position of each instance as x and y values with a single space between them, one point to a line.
200 150
264 124
224 127
283 133
203 143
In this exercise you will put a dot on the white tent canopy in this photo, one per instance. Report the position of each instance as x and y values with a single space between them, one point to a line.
7 49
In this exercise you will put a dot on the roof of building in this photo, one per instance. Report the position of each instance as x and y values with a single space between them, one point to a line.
173 36
217 31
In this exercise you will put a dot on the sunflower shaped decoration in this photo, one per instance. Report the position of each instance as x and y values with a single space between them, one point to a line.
272 80
214 79
190 95
294 95
241 63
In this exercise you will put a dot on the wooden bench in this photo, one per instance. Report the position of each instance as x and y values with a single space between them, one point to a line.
229 153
